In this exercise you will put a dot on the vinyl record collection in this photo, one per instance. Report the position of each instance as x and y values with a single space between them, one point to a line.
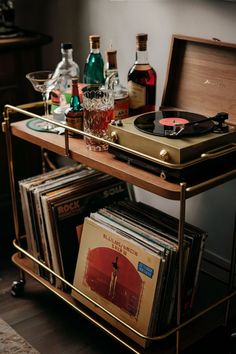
128 263
123 254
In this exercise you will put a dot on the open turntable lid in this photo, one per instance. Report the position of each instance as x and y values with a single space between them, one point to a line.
201 77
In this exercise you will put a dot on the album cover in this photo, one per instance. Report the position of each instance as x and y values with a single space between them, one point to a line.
33 244
119 274
165 226
30 189
156 242
34 195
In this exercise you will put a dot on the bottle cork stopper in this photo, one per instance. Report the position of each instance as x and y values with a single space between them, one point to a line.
141 41
111 58
66 45
94 40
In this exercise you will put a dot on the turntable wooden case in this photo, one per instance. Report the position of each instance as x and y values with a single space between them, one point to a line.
201 78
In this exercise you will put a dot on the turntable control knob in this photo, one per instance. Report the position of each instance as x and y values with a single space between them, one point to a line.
164 155
114 137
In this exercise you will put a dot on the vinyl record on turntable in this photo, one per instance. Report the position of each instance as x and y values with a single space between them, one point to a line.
173 123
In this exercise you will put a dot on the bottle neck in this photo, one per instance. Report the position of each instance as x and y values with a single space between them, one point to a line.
94 50
67 55
112 72
75 100
75 90
141 57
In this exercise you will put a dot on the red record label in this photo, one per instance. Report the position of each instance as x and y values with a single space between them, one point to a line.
171 121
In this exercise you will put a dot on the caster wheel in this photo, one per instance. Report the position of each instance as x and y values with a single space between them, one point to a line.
17 288
233 343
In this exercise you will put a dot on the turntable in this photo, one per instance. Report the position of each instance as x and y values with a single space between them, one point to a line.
197 137
173 143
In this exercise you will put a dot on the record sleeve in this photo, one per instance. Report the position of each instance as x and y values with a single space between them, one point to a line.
119 274
37 218
156 242
33 245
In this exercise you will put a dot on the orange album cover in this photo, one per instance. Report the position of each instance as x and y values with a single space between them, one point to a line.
119 274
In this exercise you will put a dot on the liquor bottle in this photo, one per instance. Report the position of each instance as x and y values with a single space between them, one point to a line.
121 99
74 115
111 63
66 70
94 66
141 80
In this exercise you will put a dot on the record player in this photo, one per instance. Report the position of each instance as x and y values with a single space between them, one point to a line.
197 137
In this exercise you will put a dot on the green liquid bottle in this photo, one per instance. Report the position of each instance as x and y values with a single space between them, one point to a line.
94 66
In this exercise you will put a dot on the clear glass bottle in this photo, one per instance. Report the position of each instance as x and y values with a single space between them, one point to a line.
94 66
111 63
141 80
66 70
74 115
121 100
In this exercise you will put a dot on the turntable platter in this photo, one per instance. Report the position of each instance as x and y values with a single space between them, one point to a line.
173 123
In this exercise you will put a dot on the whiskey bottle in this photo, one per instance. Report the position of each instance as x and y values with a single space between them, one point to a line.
74 115
66 70
94 66
121 100
141 80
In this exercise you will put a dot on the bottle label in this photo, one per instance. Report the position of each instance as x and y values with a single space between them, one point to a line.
137 95
74 120
121 108
59 99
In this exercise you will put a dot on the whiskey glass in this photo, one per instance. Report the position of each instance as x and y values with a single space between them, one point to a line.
98 111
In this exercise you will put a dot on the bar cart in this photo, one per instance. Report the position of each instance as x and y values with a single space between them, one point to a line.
105 162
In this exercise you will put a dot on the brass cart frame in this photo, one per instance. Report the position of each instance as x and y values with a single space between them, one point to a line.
74 148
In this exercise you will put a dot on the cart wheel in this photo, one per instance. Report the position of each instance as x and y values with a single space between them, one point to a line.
17 288
233 343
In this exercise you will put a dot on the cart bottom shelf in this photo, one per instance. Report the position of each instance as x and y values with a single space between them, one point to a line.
189 335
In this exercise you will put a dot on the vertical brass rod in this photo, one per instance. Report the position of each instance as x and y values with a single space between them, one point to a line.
11 173
180 264
10 160
43 160
231 273
67 150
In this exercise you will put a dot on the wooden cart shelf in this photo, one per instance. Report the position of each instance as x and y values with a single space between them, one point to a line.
105 162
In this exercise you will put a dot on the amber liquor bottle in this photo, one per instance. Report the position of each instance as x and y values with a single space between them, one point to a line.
141 80
74 115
